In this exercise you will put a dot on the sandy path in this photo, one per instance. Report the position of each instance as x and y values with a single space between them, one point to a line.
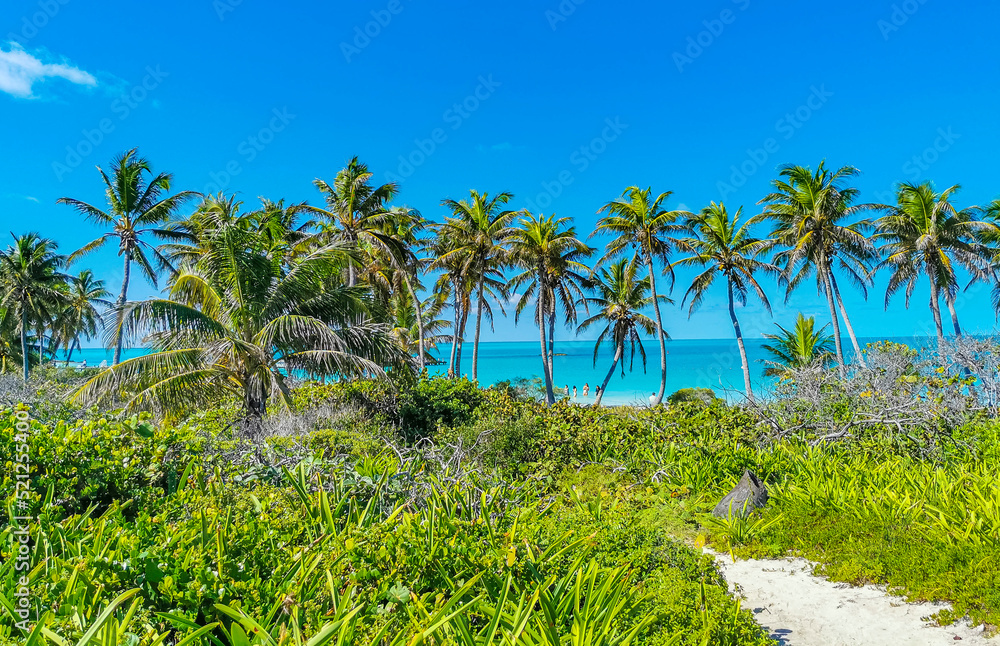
800 609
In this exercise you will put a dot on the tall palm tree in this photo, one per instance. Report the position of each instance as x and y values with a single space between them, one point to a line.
477 231
642 223
79 317
395 268
725 246
355 210
620 297
808 211
451 283
136 207
548 251
31 287
799 347
926 234
246 316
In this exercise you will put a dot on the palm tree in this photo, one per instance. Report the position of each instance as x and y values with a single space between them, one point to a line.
80 317
619 300
642 223
549 252
136 208
395 268
31 287
10 350
412 334
800 347
250 313
926 234
476 232
808 210
725 246
355 210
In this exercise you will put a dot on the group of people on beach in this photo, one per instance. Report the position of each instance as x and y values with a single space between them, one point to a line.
586 390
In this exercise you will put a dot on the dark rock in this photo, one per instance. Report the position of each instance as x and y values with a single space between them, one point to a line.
750 494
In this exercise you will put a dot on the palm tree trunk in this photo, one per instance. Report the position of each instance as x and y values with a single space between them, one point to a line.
120 306
552 342
461 337
420 322
69 352
659 331
550 397
950 300
614 364
936 312
452 367
847 322
24 338
740 345
479 324
837 341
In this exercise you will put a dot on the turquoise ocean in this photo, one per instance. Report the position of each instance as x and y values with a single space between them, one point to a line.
701 363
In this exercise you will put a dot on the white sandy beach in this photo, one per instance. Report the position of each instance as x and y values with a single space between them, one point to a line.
799 609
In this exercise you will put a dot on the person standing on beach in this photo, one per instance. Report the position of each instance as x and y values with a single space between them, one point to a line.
567 390
597 391
652 399
586 389
574 392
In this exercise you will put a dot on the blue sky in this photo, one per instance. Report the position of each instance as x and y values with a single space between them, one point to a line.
562 103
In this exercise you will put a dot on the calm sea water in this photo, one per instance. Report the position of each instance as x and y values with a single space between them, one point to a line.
703 363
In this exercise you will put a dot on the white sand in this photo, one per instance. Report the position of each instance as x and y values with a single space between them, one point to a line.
800 609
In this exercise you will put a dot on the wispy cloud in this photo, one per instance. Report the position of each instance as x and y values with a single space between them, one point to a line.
20 71
32 199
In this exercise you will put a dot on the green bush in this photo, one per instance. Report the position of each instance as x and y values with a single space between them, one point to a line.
437 402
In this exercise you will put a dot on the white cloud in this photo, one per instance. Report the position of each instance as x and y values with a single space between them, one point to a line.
20 71
32 199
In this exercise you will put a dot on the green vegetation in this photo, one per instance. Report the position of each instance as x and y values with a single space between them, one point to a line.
372 514
281 470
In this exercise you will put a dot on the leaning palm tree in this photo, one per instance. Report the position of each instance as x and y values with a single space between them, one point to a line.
926 234
641 222
242 321
549 252
800 347
808 211
725 246
32 288
79 317
476 233
620 297
355 211
136 208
